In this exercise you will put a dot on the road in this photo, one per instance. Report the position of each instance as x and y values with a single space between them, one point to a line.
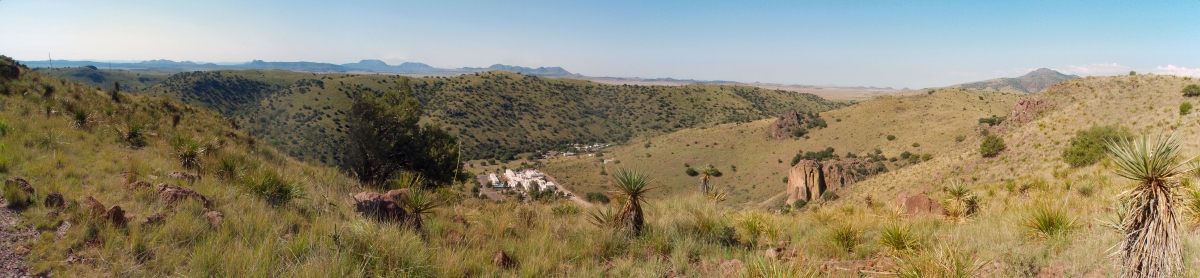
487 190
574 197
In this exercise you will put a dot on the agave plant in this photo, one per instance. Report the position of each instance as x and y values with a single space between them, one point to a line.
632 185
1152 246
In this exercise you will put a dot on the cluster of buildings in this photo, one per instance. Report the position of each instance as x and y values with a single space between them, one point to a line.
527 180
590 148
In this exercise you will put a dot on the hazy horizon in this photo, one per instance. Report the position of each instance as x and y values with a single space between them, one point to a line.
845 44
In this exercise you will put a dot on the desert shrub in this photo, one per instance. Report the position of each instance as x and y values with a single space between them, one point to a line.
799 204
16 197
916 145
960 138
566 209
1088 146
231 167
829 196
596 197
188 151
993 120
1185 108
926 157
818 156
992 145
905 155
133 133
5 127
1191 90
691 172
891 137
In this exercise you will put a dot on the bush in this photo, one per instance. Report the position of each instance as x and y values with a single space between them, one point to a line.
959 138
1191 90
905 155
926 157
891 137
5 128
1088 146
1045 221
691 172
991 146
993 120
1185 108
596 197
916 145
273 187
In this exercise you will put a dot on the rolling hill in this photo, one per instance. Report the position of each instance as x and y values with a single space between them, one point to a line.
1033 82
496 114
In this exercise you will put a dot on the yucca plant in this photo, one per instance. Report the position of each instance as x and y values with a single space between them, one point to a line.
1045 221
846 237
189 152
632 185
419 202
603 217
273 187
80 119
1152 246
1192 205
900 238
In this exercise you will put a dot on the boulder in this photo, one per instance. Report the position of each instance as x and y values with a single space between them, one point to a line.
94 206
20 182
138 184
171 194
804 181
380 206
214 218
790 121
918 204
116 215
502 260
54 200
185 176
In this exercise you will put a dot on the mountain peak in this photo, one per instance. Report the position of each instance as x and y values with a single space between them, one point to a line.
1045 72
1033 82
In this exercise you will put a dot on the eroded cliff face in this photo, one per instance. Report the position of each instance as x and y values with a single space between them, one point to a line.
793 124
808 179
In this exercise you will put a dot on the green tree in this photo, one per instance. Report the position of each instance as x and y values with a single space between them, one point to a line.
385 138
991 146
1191 90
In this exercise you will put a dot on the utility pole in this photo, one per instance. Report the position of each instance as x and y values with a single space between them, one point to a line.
50 59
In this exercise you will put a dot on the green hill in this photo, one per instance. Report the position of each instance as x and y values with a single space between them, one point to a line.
495 114
95 77
1033 82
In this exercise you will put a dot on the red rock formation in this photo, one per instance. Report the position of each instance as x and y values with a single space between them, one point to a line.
789 121
918 204
381 206
808 179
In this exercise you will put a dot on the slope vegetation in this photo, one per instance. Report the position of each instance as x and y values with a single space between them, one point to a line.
495 114
1033 82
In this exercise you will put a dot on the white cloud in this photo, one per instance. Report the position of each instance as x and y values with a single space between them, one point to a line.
1180 71
1096 69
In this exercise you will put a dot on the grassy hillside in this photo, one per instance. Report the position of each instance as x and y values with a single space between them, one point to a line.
493 113
933 121
97 77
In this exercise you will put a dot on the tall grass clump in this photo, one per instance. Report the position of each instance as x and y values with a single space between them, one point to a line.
133 133
5 127
1152 246
1045 221
16 196
231 167
188 152
900 238
846 237
273 187
633 185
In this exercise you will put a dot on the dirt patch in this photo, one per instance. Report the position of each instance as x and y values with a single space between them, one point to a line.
12 235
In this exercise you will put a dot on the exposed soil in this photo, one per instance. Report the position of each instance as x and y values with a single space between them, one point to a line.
12 234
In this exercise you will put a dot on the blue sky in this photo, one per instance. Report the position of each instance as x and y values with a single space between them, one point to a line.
853 43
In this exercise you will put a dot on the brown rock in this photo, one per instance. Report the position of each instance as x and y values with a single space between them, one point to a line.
380 206
94 206
171 194
54 200
154 219
116 215
138 184
732 267
454 237
502 260
919 204
185 176
789 121
808 179
214 218
804 181
397 195
20 182
775 253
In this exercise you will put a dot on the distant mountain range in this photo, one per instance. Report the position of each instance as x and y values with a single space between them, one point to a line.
375 66
1030 83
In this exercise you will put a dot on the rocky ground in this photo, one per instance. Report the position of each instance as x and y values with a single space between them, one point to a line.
12 233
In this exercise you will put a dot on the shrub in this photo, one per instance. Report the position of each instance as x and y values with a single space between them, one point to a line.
891 137
916 145
991 146
1185 108
846 237
926 157
1088 146
905 155
829 196
993 120
1191 90
5 128
959 138
596 197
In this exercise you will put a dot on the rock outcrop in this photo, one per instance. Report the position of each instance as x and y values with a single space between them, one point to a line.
918 204
381 206
809 179
502 260
1027 110
54 200
21 183
171 194
793 124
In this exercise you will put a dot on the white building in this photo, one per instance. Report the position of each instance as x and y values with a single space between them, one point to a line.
528 180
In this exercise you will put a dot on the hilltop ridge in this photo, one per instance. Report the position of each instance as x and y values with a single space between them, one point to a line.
1033 82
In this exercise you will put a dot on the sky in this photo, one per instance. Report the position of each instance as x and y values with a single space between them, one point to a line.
898 44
